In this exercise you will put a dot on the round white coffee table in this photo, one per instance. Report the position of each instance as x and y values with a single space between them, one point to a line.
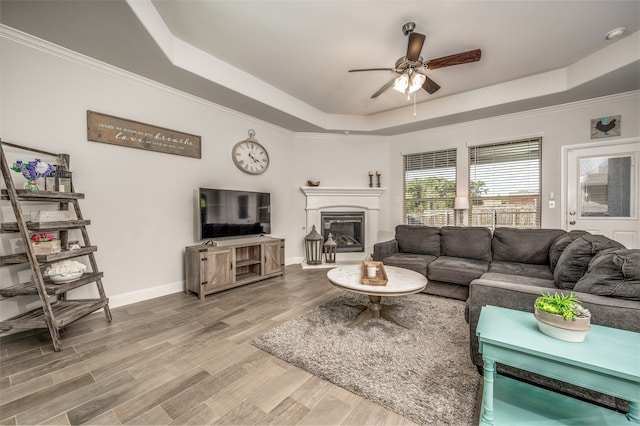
400 282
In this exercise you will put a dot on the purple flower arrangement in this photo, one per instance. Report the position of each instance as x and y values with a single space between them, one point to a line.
33 169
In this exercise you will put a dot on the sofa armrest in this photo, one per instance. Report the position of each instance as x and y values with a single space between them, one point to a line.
385 249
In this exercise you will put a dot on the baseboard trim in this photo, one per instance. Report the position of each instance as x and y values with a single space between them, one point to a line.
145 294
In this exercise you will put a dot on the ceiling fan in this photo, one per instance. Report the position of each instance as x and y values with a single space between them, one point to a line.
412 66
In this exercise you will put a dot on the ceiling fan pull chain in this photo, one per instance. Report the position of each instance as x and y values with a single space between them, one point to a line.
414 104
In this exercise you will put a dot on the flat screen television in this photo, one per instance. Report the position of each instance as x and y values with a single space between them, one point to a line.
231 213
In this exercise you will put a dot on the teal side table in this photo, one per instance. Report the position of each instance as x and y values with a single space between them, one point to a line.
608 361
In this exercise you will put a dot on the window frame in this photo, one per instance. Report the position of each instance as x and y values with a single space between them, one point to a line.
508 153
437 160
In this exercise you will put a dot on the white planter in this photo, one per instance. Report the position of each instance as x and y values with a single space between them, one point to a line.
559 328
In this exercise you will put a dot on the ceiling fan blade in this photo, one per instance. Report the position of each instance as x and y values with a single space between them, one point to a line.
457 59
416 40
373 69
382 89
430 86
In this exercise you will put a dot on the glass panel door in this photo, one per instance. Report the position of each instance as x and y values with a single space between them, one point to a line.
606 186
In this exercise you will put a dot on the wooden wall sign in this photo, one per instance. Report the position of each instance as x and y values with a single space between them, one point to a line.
119 131
605 127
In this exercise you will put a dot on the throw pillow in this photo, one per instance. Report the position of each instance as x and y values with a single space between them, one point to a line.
574 260
418 239
561 243
529 246
472 242
614 273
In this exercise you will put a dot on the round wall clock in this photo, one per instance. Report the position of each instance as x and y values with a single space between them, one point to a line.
249 156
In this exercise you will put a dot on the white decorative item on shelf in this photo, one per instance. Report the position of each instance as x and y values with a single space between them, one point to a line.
50 216
65 278
65 268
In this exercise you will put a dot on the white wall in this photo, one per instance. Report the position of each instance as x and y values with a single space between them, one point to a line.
141 204
338 161
558 126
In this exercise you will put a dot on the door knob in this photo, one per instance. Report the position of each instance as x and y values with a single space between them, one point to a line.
573 222
572 213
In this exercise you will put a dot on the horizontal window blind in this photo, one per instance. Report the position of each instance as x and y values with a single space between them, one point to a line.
429 188
504 184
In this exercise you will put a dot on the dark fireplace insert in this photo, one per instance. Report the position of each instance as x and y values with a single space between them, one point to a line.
347 229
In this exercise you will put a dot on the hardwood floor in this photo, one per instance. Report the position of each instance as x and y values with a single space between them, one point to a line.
177 360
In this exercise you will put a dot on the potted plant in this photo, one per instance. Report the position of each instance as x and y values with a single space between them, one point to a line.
33 170
562 317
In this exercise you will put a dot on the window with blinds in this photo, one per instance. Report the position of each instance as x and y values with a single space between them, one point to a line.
504 184
429 188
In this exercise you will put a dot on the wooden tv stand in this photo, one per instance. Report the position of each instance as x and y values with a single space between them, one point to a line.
232 263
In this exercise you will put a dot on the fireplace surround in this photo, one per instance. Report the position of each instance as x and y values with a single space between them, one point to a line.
327 200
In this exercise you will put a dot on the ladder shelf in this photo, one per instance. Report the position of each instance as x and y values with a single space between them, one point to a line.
55 311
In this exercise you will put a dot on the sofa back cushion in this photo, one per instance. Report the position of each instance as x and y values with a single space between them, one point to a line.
575 259
418 239
524 245
561 243
467 242
614 273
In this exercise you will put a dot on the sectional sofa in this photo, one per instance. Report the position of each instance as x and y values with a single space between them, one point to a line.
512 267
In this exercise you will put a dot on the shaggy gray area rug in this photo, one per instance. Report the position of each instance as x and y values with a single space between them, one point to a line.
423 374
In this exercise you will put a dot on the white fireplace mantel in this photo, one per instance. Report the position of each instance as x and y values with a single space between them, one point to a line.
333 199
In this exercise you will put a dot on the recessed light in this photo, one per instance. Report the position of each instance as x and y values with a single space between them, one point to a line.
615 33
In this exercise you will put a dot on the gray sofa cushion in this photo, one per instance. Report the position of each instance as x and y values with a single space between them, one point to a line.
525 269
614 273
418 239
456 270
524 245
466 242
415 262
497 277
561 243
575 259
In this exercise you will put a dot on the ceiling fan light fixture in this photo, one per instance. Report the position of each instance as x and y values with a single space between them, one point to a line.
409 84
417 80
401 83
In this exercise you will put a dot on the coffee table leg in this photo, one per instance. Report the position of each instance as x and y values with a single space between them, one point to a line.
394 319
376 310
363 316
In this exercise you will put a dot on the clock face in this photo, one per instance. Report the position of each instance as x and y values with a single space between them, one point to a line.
250 157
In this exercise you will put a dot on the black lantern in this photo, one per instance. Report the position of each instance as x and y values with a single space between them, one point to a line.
330 249
313 246
58 181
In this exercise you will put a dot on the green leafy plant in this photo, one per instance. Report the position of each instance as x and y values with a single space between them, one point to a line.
560 304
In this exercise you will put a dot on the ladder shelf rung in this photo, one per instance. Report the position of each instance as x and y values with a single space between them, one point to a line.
58 197
65 312
45 226
14 259
29 288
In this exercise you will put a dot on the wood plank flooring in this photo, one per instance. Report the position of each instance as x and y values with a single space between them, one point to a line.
177 360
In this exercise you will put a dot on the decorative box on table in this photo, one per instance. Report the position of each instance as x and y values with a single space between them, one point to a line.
46 247
50 216
381 275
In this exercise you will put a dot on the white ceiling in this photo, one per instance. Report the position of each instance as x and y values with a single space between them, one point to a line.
286 62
